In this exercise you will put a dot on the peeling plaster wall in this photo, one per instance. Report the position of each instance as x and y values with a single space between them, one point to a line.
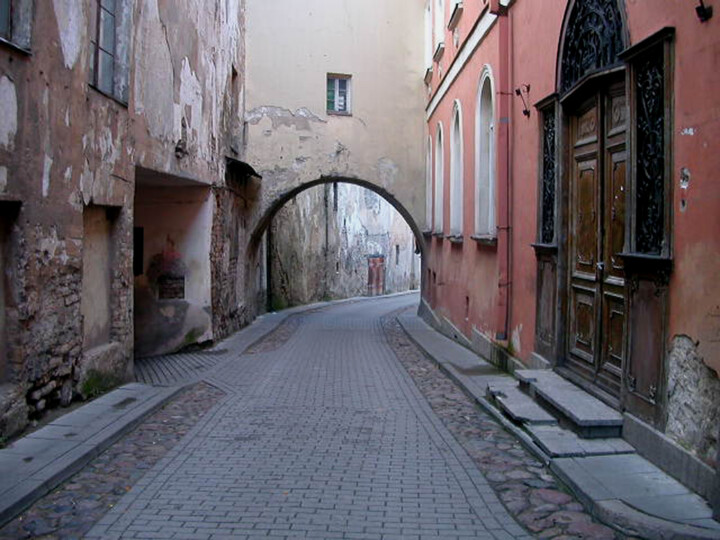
65 146
292 140
320 245
693 396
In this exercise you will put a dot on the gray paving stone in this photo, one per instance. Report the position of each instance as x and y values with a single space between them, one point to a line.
324 436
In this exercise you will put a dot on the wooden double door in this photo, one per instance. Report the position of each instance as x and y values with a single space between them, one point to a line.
597 299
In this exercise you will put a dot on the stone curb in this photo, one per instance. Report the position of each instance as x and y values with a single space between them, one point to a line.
26 492
612 512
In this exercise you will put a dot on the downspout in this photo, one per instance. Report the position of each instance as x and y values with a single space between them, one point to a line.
504 179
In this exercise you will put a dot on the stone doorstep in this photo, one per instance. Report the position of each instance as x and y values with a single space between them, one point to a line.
556 441
517 405
589 416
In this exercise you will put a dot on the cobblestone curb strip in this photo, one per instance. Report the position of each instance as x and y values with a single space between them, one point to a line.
73 508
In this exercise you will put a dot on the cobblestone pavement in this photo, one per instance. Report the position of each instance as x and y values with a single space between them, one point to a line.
72 509
326 436
524 485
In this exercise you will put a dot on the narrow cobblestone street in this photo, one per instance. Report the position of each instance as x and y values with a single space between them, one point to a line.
333 426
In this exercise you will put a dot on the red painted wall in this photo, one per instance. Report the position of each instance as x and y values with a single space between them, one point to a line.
523 43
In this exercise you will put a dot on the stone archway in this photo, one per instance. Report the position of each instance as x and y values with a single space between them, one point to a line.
264 220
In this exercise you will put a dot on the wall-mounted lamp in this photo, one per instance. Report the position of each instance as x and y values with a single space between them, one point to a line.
704 12
523 91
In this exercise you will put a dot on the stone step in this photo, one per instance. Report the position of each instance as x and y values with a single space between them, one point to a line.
590 417
559 442
517 405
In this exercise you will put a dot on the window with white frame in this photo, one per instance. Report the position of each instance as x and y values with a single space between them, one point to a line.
110 47
428 186
485 181
456 172
439 17
16 22
428 34
439 181
339 96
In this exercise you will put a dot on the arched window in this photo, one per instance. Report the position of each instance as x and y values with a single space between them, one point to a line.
428 185
439 21
456 172
485 182
428 34
439 181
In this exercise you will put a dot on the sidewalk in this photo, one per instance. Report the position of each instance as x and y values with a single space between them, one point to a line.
623 489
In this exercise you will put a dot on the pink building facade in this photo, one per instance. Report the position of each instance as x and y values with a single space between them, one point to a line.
573 203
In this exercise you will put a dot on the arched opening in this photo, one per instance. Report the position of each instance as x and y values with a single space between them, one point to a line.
485 188
394 253
456 173
439 17
439 181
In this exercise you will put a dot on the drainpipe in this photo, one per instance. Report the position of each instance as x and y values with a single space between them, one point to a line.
504 178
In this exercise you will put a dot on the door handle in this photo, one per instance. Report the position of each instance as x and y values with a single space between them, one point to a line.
600 266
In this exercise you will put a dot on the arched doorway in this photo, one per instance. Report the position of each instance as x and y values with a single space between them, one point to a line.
257 283
593 156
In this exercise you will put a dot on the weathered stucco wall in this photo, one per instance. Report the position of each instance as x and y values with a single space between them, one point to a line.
322 238
65 147
292 140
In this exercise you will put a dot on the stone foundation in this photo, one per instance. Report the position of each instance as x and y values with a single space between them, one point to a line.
693 401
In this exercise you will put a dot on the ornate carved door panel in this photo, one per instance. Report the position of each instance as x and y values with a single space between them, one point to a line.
596 330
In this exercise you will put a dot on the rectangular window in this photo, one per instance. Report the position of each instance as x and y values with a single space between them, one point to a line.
651 91
16 22
338 94
5 10
103 46
110 47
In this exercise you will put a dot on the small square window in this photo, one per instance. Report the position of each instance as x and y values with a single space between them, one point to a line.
338 94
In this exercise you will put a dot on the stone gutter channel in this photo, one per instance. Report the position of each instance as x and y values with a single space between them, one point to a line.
619 487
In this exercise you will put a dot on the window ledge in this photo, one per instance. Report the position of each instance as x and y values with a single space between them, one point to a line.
644 263
15 47
455 238
485 239
339 113
109 96
439 51
438 235
427 233
455 17
547 249
428 75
